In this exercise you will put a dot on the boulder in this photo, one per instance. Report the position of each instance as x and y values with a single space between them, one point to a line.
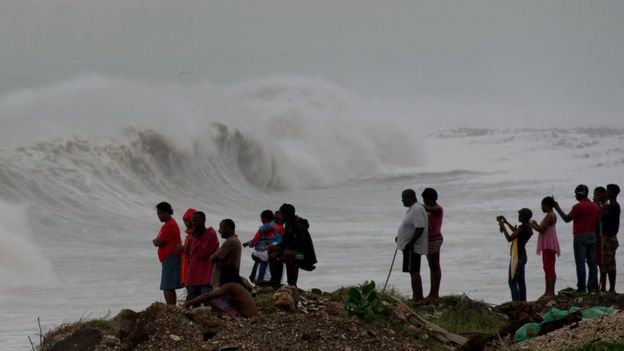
204 318
123 323
285 298
83 338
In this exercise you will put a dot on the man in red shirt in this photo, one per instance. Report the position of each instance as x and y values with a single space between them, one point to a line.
585 216
167 241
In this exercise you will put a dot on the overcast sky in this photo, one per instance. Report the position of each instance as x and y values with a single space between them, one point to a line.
531 60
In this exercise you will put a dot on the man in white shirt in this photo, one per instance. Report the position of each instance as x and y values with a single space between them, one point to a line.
412 240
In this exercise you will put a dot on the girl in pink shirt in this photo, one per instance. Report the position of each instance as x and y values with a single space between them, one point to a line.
547 244
435 214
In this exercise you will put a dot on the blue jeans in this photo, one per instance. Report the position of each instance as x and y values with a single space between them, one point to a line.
585 251
263 267
517 284
196 290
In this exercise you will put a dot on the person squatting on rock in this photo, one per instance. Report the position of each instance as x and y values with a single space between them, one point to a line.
295 251
231 297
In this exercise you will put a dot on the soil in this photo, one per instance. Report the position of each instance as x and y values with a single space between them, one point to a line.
318 322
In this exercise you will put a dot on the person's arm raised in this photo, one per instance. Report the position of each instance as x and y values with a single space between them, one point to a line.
566 218
548 220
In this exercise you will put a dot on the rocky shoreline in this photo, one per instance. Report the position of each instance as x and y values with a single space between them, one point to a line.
291 319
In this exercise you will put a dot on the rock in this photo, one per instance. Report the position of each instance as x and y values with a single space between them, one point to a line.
293 291
286 298
316 291
174 337
123 323
204 317
206 320
283 300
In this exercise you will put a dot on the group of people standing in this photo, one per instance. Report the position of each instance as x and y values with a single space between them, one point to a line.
420 233
210 271
595 227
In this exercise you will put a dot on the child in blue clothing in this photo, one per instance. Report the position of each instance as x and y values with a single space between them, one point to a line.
269 233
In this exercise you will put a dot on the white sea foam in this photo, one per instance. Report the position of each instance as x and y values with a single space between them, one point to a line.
21 262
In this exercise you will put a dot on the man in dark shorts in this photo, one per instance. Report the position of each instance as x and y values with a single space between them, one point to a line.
412 240
167 241
610 228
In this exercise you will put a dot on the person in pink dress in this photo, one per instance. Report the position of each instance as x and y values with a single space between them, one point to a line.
547 244
435 213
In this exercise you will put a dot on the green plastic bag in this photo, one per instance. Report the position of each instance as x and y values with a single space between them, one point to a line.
595 312
530 330
527 331
556 314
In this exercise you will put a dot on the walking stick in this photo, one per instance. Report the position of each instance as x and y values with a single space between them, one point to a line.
391 265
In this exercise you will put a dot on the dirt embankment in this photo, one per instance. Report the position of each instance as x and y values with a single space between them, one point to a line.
298 320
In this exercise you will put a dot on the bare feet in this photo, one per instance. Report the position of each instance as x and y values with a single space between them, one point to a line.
431 298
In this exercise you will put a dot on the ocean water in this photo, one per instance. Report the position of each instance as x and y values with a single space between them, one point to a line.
83 163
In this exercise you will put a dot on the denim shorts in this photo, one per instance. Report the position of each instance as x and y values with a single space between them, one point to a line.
196 290
170 276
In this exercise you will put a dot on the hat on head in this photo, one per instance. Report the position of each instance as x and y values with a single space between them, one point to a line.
188 214
581 189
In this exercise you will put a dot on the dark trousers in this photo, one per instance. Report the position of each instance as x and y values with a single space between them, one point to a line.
277 270
517 284
585 251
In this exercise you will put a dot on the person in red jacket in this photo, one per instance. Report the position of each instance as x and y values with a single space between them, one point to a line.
168 241
186 218
202 245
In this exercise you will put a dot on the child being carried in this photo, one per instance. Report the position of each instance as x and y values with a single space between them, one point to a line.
269 233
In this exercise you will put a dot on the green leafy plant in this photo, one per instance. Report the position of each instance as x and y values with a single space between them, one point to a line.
364 302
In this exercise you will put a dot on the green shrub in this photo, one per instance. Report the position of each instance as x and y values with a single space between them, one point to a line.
364 302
